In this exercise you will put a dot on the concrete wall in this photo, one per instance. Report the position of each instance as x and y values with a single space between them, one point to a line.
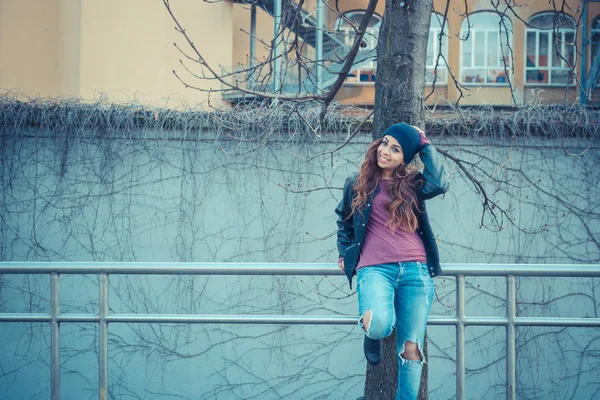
120 198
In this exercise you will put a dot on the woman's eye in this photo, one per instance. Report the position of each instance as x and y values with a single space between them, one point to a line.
395 150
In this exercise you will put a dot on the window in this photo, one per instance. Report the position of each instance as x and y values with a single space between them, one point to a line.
485 51
352 19
550 49
433 50
366 73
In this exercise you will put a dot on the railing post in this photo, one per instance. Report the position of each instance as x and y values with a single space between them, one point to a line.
460 337
54 336
103 337
511 338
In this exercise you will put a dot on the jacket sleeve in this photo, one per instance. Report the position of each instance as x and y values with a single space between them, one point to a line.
345 232
434 182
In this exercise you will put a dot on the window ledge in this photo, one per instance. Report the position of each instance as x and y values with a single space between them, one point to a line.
359 83
477 84
551 85
437 84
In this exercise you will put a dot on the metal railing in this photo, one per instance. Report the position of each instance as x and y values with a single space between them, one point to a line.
460 321
291 79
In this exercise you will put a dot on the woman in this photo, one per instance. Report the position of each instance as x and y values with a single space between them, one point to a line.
384 237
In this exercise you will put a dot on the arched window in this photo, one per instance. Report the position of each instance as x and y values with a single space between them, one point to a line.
433 50
486 41
550 49
345 26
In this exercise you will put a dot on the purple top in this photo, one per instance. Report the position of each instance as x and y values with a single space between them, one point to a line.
382 245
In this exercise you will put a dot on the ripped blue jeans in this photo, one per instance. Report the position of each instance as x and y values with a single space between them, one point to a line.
399 295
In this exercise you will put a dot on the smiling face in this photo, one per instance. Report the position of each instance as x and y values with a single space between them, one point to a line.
389 156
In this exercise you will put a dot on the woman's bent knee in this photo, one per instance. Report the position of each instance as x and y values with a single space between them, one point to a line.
376 326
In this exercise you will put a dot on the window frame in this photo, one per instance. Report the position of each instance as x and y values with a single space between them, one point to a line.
595 29
549 68
371 35
442 65
508 69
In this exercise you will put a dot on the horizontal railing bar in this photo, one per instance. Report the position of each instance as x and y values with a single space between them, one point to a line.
165 268
25 317
235 319
78 318
434 320
187 318
439 320
486 321
40 317
535 270
176 268
558 322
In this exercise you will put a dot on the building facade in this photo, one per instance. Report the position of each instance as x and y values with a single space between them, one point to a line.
124 50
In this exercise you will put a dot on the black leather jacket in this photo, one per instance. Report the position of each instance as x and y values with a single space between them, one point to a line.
351 228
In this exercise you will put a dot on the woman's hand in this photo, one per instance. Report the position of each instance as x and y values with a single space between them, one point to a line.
422 136
341 263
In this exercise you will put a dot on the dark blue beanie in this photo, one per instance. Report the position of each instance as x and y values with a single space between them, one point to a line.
408 137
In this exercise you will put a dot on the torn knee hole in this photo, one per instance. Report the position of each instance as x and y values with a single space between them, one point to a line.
366 320
411 351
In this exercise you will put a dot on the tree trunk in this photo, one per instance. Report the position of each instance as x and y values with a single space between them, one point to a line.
401 55
381 380
399 92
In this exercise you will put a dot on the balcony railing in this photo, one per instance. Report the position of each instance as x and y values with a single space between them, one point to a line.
291 79
460 320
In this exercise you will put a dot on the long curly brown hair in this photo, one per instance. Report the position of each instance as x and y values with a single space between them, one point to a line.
404 205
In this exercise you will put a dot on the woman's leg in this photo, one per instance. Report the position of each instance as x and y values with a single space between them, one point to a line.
375 287
413 299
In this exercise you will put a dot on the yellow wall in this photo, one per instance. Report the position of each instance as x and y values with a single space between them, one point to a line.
51 48
241 33
28 46
68 53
